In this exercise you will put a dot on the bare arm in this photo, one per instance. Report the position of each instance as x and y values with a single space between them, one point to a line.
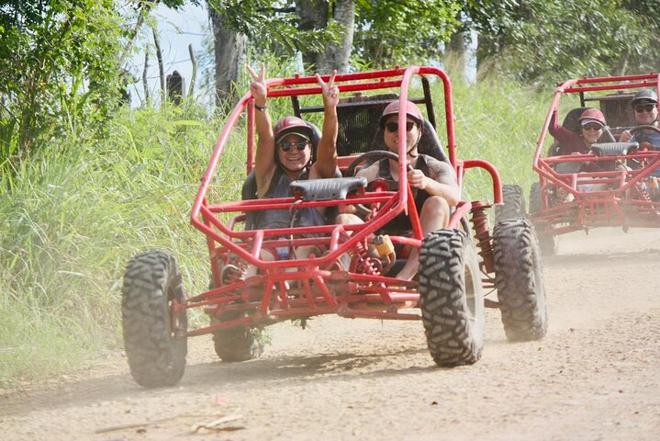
442 182
326 160
265 157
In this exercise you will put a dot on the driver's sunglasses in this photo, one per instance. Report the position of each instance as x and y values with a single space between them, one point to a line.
394 126
592 127
286 146
644 108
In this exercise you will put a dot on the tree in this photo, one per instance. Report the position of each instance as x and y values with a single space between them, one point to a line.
390 32
552 39
229 50
330 32
59 70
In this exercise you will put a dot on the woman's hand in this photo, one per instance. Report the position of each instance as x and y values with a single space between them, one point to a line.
258 85
417 179
329 90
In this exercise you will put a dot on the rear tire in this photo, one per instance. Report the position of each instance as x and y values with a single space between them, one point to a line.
236 344
519 281
513 206
451 298
154 338
547 242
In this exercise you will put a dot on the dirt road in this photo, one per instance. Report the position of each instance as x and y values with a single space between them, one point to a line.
596 376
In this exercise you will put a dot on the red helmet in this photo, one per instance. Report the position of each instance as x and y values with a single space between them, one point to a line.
592 115
411 110
292 124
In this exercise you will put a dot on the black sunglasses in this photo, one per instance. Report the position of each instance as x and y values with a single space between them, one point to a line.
286 146
592 127
644 108
394 126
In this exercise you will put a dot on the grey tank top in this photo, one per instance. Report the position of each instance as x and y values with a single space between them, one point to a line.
279 188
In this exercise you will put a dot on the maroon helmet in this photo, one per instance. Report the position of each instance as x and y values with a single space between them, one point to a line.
592 115
292 124
411 110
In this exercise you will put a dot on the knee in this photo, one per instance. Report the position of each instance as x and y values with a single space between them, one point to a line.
435 206
347 219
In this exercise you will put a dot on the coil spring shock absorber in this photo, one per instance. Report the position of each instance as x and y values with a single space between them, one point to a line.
480 225
361 262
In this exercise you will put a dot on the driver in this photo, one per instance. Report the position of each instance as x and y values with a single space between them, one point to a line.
645 105
433 181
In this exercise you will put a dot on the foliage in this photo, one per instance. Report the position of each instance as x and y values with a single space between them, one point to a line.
272 27
59 70
390 32
386 31
75 215
553 39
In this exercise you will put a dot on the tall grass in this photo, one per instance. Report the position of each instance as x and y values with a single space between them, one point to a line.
76 213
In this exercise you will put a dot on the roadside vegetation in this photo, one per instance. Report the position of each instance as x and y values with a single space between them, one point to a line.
74 215
86 181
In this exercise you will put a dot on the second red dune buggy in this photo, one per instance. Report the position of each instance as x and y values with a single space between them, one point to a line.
353 273
612 184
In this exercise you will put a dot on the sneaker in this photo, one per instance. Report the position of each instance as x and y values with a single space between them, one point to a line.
230 274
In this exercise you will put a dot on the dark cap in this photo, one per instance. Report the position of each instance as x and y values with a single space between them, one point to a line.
645 96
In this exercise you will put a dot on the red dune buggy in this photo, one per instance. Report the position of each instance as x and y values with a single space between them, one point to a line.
353 272
613 184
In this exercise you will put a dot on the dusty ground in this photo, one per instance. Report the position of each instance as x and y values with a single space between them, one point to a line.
596 376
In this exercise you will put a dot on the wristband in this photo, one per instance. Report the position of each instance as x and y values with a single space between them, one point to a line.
260 108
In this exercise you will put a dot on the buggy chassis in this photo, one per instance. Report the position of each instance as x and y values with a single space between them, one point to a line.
349 294
615 196
450 283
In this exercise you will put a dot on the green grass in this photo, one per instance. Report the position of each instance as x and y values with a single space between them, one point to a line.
73 216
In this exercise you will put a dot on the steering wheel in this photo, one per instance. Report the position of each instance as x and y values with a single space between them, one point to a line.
609 134
634 130
372 156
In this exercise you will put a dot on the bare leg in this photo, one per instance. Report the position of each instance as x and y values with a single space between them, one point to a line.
434 216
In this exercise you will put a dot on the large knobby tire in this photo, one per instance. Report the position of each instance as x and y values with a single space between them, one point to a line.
451 298
241 343
156 354
513 206
519 281
547 242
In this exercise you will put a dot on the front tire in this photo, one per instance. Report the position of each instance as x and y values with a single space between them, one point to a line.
519 281
154 337
451 298
513 206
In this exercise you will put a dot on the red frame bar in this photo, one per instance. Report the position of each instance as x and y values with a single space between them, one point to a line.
259 291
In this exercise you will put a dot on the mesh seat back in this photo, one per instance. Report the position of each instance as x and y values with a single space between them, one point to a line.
358 122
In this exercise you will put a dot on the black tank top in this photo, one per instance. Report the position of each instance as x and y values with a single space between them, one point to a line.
401 223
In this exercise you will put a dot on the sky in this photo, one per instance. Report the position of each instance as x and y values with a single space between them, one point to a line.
177 29
190 25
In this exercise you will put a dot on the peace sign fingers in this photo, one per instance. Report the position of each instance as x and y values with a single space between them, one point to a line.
258 84
330 90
